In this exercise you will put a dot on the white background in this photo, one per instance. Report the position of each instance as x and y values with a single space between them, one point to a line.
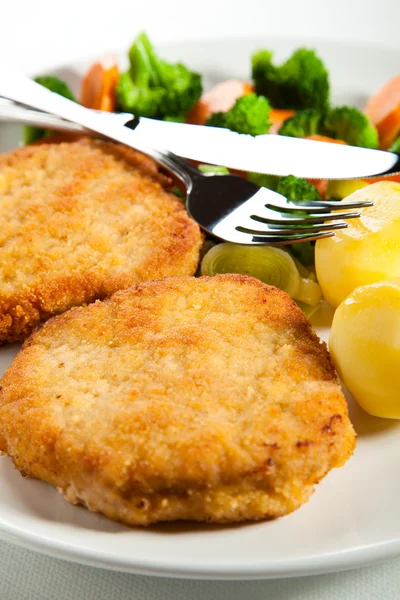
41 33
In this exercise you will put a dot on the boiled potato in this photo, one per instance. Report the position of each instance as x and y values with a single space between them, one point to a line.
367 251
365 347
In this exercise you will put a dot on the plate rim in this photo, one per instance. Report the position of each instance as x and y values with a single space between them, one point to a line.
344 560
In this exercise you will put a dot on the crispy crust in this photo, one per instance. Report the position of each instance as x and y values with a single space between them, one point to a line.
81 220
206 399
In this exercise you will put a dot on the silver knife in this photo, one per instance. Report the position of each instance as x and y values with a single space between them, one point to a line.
272 154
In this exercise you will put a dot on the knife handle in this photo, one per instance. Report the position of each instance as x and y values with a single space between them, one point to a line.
23 90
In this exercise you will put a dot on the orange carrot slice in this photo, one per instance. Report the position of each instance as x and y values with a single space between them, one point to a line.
98 85
395 178
389 128
219 99
321 185
277 116
384 101
324 138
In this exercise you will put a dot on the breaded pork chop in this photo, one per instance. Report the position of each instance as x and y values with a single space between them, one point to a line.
206 399
79 221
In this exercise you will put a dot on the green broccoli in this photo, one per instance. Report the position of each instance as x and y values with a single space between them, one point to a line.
345 123
293 188
54 84
263 180
395 147
349 124
296 188
303 123
155 88
249 114
301 82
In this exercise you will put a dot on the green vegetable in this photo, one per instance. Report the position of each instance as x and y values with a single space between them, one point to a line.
395 147
249 115
54 84
269 264
303 123
178 192
304 252
213 169
175 119
293 188
155 88
352 126
345 123
301 82
296 188
263 180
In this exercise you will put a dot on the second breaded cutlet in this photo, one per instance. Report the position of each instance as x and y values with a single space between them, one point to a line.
207 399
79 221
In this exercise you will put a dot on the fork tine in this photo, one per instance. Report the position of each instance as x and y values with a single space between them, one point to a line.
283 204
293 229
266 239
314 218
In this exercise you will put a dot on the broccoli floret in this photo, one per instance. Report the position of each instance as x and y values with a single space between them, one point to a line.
54 84
345 123
155 88
301 82
293 188
139 100
296 188
303 123
395 147
249 115
350 125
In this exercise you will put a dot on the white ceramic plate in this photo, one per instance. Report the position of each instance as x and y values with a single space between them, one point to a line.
353 517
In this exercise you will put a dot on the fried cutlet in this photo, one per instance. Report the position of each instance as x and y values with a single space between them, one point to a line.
206 399
79 221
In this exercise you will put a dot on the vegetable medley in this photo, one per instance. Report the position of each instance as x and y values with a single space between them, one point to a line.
291 99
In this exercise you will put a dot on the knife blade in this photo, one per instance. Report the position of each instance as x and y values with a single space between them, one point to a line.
272 154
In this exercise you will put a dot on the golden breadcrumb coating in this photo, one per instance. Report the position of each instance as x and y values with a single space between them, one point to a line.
79 221
206 399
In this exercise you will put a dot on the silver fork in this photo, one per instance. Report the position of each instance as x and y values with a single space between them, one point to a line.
228 207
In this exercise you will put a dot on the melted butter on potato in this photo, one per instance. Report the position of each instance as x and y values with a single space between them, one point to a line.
367 251
365 347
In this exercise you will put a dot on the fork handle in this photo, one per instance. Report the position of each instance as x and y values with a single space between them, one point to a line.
23 90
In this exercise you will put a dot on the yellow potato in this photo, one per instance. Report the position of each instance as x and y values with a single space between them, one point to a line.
365 347
340 188
367 251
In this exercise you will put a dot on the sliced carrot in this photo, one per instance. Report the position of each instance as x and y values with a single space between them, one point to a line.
324 138
277 116
384 101
321 185
98 85
389 128
219 99
395 178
